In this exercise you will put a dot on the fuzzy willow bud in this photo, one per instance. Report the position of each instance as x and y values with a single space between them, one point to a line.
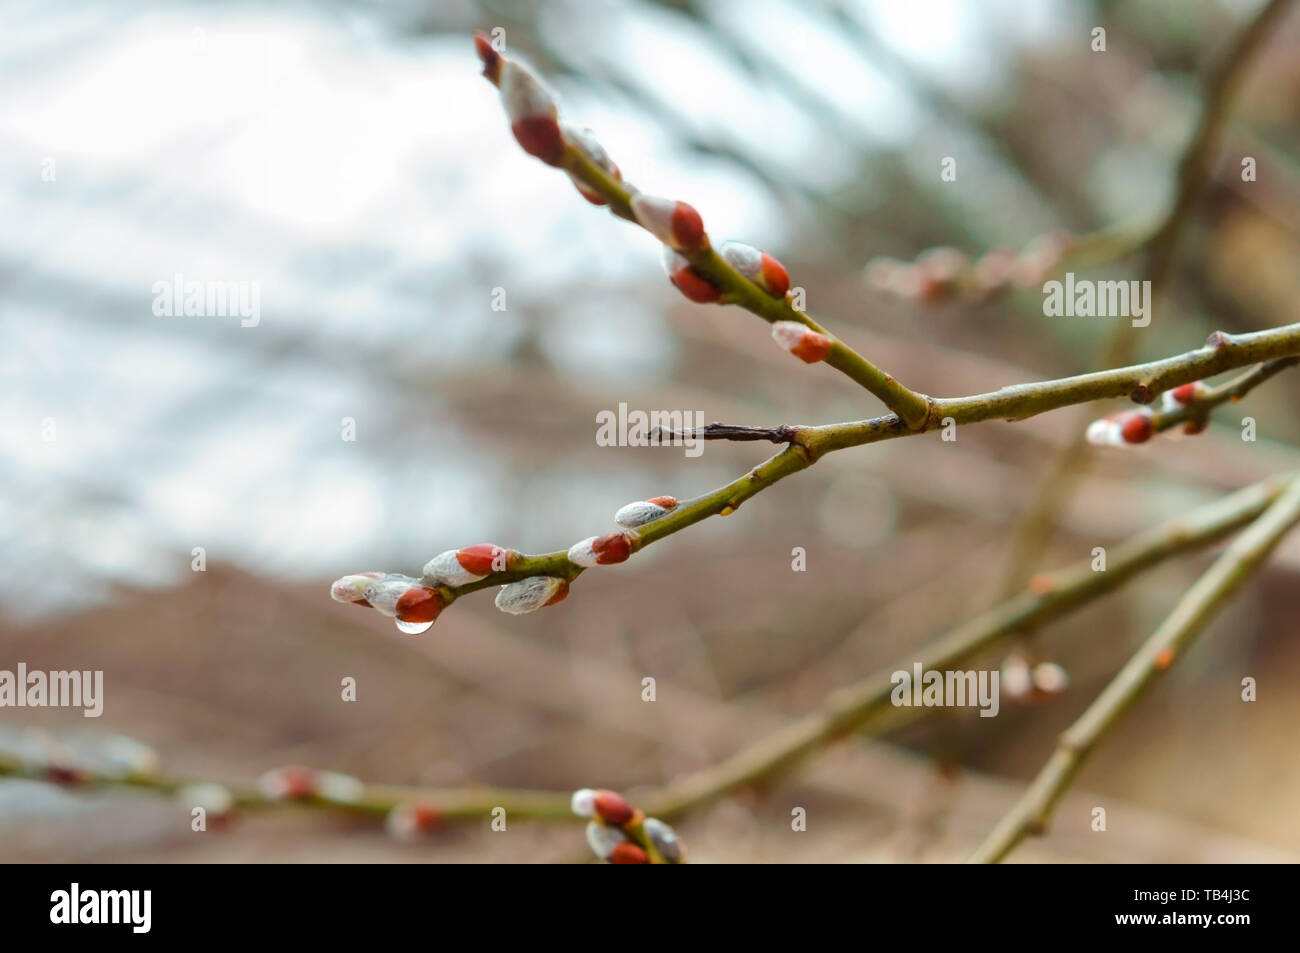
534 118
693 285
531 594
644 511
803 342
601 550
676 224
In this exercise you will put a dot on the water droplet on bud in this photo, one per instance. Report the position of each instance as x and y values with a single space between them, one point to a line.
413 628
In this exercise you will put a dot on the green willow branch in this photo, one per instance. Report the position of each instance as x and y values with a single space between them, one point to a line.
866 704
1030 536
461 804
807 444
734 287
1243 557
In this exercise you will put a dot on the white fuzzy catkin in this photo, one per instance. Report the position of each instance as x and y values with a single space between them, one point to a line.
788 334
638 514
384 592
522 95
527 595
655 215
445 569
584 802
582 554
1104 433
352 588
746 259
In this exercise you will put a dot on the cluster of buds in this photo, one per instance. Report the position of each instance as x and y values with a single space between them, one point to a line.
412 820
618 833
801 341
302 784
680 228
751 263
944 273
409 602
1024 682
536 125
415 603
1179 404
535 118
1117 430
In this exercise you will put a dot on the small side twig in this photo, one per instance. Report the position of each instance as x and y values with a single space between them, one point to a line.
738 432
1197 411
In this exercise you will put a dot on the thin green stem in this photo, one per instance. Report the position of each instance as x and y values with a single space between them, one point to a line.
808 444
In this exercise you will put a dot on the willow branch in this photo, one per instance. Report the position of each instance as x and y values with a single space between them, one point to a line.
1243 557
450 804
866 704
807 444
733 287
1198 158
1194 168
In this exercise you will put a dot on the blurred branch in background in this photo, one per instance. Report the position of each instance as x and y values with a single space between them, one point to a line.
1030 538
1189 618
